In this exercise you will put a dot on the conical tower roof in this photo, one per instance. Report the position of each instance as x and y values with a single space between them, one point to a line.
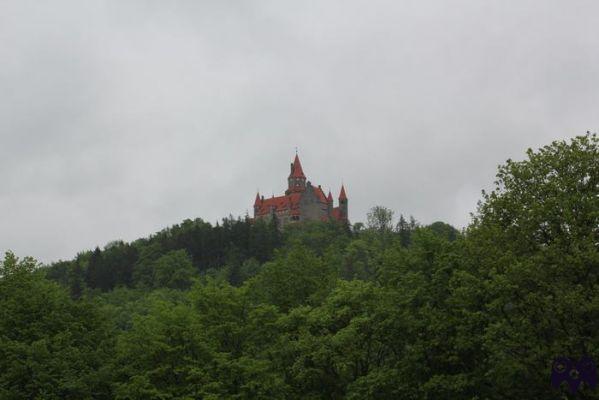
342 195
297 171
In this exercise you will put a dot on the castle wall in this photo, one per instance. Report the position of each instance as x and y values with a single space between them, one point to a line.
310 206
284 217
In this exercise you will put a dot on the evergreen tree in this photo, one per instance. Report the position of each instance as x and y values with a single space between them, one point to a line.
76 280
94 265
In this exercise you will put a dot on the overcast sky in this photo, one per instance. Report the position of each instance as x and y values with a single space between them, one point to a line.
119 118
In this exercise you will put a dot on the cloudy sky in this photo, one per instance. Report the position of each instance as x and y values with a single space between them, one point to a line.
119 118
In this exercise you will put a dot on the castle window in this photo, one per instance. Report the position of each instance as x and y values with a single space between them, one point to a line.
295 218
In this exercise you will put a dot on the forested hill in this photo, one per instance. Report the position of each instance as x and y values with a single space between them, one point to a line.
383 310
171 257
233 250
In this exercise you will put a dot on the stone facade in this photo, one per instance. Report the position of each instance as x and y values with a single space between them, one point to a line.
302 201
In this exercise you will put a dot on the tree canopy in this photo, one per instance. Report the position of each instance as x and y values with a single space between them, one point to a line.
240 310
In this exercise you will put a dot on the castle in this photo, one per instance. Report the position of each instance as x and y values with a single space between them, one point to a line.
301 201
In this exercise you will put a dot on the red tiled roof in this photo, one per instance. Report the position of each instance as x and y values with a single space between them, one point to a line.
297 172
257 201
330 197
288 202
279 203
320 194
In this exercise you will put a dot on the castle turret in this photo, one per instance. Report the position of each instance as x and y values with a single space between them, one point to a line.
257 204
343 203
330 203
296 180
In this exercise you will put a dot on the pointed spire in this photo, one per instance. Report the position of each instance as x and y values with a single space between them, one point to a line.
330 197
257 201
342 195
296 171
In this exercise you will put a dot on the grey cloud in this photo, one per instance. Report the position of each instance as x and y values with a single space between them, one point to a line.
120 118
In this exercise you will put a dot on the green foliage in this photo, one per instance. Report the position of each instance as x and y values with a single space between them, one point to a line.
317 236
76 280
248 269
296 277
210 248
327 348
163 356
50 346
359 261
380 219
444 230
535 241
173 270
13 268
242 311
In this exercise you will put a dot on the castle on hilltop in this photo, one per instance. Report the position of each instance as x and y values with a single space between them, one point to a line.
301 201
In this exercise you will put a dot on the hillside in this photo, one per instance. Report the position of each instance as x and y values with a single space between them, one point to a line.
382 310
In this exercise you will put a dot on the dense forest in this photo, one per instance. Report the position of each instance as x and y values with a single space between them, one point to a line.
375 310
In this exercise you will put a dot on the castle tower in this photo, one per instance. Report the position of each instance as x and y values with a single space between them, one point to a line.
343 203
297 180
330 203
257 204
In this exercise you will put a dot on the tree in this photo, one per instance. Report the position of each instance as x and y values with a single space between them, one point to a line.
358 227
203 346
358 261
380 219
318 236
12 266
295 278
94 267
444 230
76 283
165 355
326 348
405 229
249 268
120 258
173 270
533 251
50 346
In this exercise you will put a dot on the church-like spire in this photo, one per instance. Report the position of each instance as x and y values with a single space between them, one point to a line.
297 180
330 197
296 169
343 204
342 195
257 201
